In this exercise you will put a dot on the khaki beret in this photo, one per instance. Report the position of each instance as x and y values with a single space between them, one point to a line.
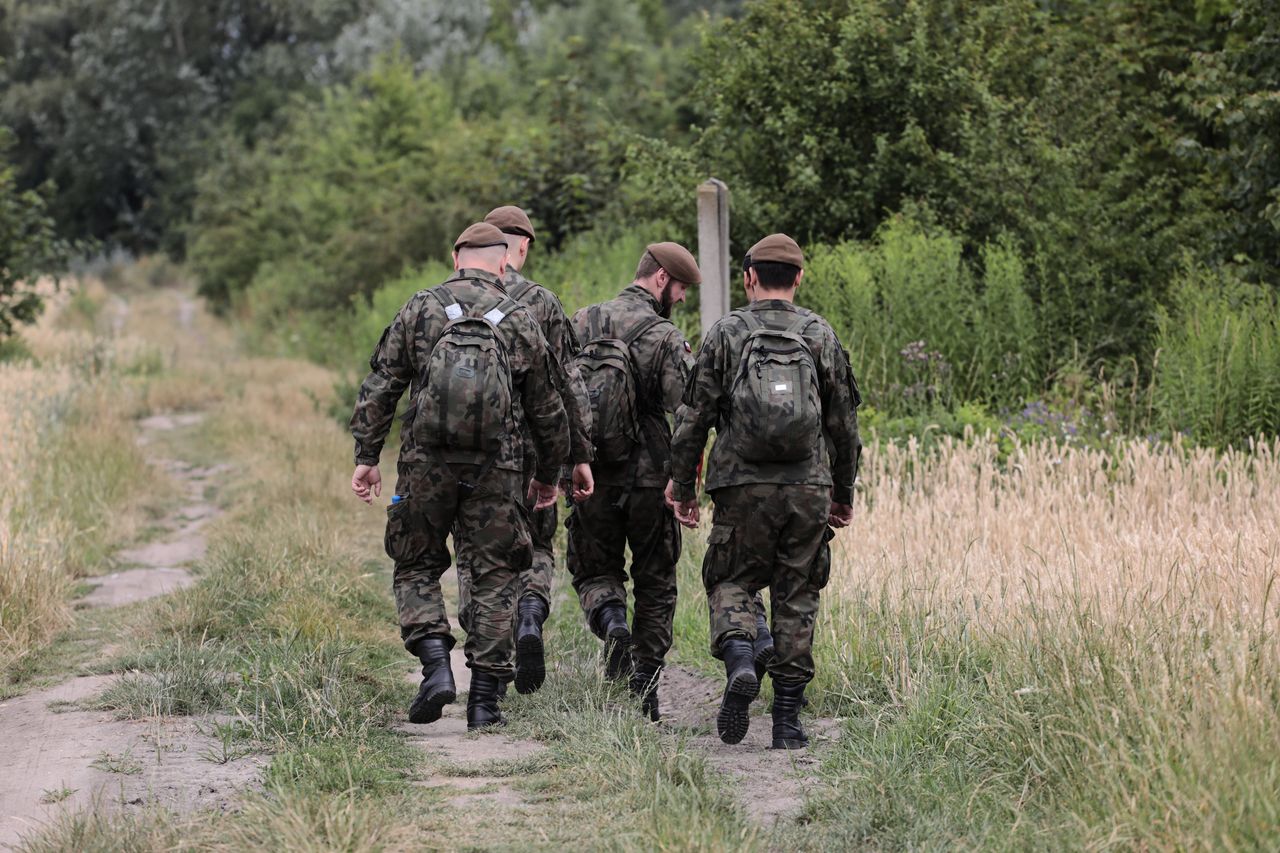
677 261
777 248
510 219
479 236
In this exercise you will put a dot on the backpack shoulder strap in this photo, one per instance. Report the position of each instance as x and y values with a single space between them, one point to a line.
640 328
502 311
521 289
798 325
452 309
753 322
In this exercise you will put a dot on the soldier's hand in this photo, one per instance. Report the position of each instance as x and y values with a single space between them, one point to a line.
840 515
686 512
543 494
584 483
367 480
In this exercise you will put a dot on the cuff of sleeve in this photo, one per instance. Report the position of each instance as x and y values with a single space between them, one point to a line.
842 494
366 460
546 476
582 454
684 491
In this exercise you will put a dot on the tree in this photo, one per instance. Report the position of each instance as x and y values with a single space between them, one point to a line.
29 246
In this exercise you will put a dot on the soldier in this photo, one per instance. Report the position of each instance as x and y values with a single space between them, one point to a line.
534 599
469 355
634 363
776 383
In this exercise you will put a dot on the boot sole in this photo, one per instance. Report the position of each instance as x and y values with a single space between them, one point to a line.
531 666
790 743
734 718
491 724
429 708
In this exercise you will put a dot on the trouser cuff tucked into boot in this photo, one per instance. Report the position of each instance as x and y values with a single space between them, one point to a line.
437 688
741 686
531 667
787 701
482 702
610 624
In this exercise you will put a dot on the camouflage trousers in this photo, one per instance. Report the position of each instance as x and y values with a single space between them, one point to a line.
491 537
599 533
539 577
769 536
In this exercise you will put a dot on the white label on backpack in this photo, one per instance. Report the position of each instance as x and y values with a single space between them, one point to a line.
453 311
494 316
782 386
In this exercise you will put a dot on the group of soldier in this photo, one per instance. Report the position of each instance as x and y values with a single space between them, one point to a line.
512 402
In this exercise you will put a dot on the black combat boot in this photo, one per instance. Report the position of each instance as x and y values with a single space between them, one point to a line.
741 686
787 701
531 667
437 688
611 621
763 646
482 702
644 686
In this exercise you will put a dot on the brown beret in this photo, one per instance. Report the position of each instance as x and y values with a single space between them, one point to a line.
778 248
510 219
479 236
677 261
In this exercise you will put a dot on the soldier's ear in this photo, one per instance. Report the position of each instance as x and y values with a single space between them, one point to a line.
799 276
455 262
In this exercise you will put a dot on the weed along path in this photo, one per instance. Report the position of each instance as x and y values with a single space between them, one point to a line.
61 754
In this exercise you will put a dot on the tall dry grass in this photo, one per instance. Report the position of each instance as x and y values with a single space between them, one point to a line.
1066 648
73 484
1160 528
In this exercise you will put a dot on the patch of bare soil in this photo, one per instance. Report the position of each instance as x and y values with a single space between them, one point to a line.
459 763
770 783
59 756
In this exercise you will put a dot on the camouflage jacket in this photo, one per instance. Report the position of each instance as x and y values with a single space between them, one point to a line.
662 356
399 360
834 460
549 314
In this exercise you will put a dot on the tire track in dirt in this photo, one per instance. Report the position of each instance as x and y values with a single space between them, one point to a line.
61 756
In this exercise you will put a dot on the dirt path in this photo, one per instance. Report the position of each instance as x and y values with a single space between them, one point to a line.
60 756
770 783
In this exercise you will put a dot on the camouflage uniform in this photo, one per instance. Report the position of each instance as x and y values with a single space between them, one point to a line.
489 521
549 315
769 528
628 506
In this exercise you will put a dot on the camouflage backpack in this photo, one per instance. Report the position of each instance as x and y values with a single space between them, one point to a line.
610 375
465 396
774 402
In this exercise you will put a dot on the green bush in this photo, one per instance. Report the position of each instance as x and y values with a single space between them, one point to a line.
1218 358
925 327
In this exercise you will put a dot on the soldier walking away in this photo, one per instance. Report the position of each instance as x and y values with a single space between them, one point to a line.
534 598
634 363
774 381
469 355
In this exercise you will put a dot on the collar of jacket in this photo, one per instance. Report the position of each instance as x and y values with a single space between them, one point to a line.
480 275
771 305
638 293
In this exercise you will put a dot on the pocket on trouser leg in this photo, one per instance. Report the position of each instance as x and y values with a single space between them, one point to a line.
820 573
717 564
403 541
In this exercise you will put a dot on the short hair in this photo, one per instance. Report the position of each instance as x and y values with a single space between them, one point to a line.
491 254
514 241
648 265
775 275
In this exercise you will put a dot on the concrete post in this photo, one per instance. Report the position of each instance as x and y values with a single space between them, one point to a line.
713 250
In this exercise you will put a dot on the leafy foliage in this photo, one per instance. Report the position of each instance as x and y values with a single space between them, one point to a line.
29 247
